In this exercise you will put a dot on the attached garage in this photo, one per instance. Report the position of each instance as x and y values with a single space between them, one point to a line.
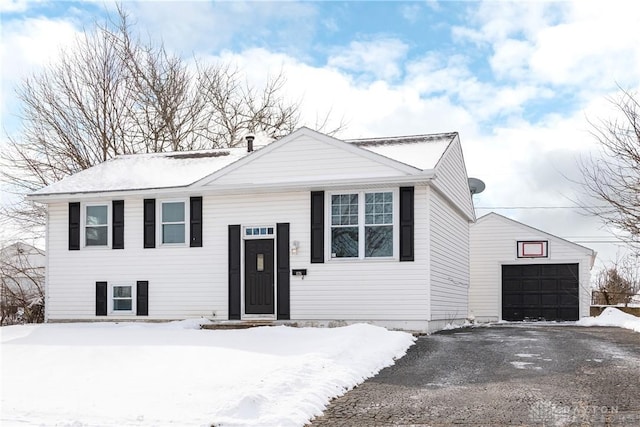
522 273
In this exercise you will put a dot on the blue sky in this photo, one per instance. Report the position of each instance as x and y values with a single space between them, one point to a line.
517 80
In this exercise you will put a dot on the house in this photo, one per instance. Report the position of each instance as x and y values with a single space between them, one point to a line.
519 273
308 228
22 272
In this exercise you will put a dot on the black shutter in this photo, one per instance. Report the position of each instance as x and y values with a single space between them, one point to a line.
406 224
117 241
142 298
101 298
149 223
234 272
317 226
282 236
196 222
74 226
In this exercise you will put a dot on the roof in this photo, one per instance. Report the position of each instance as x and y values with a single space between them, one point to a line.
537 230
420 151
146 171
181 169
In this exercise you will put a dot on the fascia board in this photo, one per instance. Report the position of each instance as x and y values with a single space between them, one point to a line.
424 177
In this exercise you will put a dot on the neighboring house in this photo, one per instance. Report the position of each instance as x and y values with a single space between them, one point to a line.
22 276
309 228
520 273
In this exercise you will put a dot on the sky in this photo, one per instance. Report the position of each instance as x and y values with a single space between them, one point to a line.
519 81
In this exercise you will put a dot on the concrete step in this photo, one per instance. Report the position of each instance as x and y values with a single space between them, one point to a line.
244 324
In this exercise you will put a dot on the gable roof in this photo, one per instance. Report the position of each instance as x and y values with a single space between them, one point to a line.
420 151
342 148
497 216
409 155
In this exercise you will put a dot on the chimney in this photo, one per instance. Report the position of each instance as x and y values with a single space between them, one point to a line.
249 139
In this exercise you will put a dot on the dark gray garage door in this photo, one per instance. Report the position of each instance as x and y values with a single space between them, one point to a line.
540 291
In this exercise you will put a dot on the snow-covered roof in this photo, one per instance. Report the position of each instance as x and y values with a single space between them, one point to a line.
181 169
420 151
146 171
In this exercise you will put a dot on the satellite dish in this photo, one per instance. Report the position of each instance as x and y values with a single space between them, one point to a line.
476 186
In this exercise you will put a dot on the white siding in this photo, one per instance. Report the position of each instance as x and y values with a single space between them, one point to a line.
493 243
451 178
305 159
449 260
187 282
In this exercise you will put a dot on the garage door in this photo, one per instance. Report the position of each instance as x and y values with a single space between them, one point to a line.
540 292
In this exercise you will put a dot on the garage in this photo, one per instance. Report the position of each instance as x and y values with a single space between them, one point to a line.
540 292
520 273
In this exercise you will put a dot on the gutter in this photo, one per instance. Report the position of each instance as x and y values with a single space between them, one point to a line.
421 178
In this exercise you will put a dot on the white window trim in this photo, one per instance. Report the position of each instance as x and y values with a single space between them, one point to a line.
187 216
83 220
361 225
110 309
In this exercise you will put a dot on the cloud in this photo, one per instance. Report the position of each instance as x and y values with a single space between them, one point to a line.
15 6
379 58
583 44
410 12
200 27
27 45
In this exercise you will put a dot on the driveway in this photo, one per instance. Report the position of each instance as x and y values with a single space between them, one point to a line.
518 374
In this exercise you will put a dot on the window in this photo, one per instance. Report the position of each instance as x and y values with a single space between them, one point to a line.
96 228
122 298
344 226
258 231
173 223
378 225
362 225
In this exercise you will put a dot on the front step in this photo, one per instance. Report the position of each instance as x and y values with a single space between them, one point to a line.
244 324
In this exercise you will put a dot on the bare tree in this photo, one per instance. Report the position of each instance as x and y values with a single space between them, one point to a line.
618 283
110 94
613 176
21 284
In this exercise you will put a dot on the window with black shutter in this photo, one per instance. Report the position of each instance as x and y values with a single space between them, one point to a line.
149 223
234 271
74 226
195 225
118 224
101 298
142 298
317 226
406 223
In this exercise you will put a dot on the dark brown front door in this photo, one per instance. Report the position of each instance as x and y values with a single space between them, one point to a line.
258 277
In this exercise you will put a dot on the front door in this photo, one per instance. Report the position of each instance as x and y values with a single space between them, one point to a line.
258 277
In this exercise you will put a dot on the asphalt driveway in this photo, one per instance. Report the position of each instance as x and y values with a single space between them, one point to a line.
519 374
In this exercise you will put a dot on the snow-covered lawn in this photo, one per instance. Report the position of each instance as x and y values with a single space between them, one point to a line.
612 317
106 374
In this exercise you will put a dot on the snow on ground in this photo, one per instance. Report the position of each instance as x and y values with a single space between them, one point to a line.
133 374
612 317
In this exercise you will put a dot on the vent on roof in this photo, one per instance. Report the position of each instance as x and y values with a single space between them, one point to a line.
250 139
198 155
